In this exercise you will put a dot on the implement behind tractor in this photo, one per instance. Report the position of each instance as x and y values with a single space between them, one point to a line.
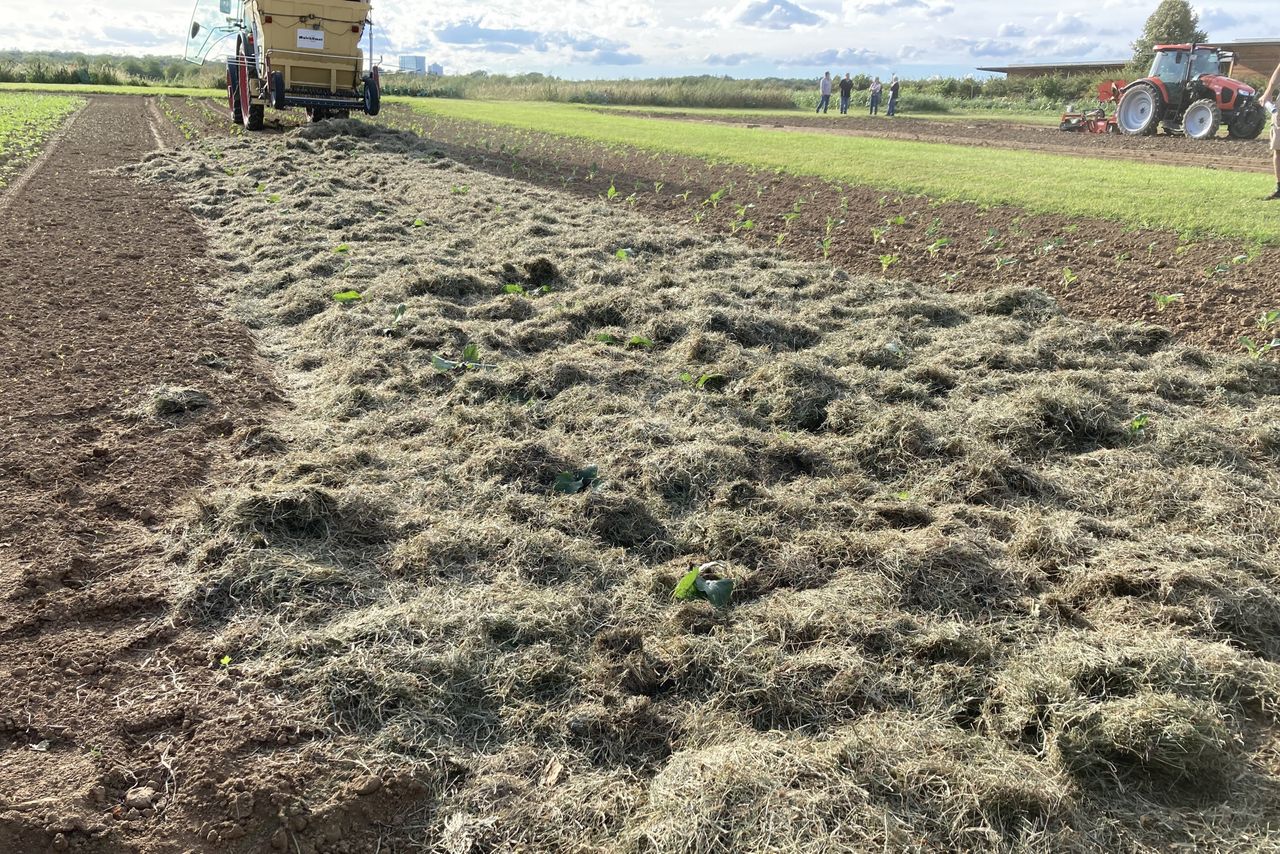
289 53
1095 120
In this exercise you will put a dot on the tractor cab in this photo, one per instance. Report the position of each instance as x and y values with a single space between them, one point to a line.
1177 65
211 22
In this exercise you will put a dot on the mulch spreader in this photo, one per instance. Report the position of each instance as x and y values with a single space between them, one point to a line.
289 53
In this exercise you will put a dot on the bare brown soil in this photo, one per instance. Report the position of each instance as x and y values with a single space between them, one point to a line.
1220 153
119 729
1096 268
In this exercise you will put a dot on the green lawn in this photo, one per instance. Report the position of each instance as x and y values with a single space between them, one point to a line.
88 89
1190 200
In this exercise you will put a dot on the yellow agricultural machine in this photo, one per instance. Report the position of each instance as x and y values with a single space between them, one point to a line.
289 53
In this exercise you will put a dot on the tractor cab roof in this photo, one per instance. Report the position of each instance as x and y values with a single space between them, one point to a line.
1186 47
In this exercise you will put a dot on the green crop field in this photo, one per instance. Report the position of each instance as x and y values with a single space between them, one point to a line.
89 89
25 122
1191 200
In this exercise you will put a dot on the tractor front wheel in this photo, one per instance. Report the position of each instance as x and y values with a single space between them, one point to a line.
1202 119
1247 123
1139 110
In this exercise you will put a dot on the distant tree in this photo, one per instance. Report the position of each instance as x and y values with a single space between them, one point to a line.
1173 22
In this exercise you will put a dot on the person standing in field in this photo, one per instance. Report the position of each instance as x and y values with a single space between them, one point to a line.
846 89
893 97
824 92
1275 128
876 86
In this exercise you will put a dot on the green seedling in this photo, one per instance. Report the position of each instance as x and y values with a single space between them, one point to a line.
573 482
348 296
342 249
608 338
887 261
934 227
459 189
273 198
419 223
397 317
514 288
1256 349
937 246
1268 319
640 341
1001 263
1139 424
225 661
878 233
657 188
692 586
624 254
705 382
470 361
1163 301
902 495
1069 278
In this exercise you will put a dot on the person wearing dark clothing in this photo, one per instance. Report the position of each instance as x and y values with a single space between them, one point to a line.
893 97
846 89
876 86
824 92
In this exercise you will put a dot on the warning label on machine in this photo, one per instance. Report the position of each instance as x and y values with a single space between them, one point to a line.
311 39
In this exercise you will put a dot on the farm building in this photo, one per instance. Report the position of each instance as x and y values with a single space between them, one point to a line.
1256 58
1253 58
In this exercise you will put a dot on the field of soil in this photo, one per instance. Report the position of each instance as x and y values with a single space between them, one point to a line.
1220 153
395 572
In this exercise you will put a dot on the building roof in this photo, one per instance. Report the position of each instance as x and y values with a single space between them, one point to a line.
1038 66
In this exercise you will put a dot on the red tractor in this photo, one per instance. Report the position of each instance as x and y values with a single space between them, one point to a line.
1186 92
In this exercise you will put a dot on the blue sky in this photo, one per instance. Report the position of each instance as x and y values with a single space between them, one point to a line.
641 38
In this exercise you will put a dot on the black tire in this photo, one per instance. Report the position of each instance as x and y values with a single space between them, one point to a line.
1247 123
277 90
233 92
1202 119
255 117
1139 110
372 97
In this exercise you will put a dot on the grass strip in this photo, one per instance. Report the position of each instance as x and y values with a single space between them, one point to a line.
1194 201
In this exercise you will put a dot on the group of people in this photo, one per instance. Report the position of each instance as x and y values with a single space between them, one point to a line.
845 85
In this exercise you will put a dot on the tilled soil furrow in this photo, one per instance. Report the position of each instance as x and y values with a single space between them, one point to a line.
102 445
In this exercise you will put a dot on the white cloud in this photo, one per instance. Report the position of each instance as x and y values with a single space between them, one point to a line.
770 15
1010 30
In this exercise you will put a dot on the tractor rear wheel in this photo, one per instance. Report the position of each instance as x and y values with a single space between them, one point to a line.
1202 119
254 119
1139 110
1247 123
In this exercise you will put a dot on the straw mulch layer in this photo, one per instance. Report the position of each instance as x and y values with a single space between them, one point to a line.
1004 580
